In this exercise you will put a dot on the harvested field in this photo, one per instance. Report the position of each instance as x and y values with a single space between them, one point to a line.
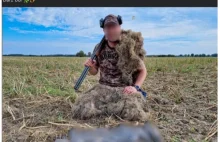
38 95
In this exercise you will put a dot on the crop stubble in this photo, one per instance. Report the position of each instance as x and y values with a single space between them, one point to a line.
38 95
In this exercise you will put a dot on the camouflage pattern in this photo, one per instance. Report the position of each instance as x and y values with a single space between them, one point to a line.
111 19
110 74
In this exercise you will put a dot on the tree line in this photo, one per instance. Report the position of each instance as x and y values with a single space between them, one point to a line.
78 54
82 54
186 55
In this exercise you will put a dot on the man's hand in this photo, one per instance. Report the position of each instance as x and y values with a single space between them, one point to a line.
93 70
129 90
90 63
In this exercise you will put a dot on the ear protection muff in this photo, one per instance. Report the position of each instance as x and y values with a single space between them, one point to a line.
119 19
102 21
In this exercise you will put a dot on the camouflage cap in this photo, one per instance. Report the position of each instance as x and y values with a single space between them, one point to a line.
111 19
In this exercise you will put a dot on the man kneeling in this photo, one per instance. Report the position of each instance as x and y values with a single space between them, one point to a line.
122 72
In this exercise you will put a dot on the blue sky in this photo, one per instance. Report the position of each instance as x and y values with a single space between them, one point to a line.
69 30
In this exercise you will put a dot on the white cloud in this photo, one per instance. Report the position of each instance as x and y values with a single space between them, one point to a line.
154 23
84 21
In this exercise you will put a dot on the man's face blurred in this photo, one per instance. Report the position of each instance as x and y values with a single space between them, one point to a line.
112 31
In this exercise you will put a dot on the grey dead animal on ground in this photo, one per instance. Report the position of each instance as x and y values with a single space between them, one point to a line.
122 133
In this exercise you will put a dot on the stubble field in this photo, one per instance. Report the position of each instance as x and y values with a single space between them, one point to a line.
38 94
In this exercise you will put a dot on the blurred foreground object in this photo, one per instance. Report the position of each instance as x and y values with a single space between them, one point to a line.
121 133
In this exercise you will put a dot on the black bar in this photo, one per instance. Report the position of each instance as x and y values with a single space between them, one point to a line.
111 3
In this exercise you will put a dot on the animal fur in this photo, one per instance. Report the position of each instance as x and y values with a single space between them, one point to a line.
106 100
102 100
131 53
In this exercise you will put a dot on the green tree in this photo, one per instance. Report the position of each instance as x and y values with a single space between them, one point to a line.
89 54
203 55
80 54
214 55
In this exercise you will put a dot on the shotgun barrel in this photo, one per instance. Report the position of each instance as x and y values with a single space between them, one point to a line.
86 69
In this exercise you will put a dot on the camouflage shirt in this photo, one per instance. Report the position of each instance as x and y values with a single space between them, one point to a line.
109 72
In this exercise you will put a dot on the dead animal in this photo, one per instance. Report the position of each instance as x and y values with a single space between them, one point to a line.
122 133
103 100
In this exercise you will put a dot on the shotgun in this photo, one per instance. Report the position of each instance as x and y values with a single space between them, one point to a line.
86 69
